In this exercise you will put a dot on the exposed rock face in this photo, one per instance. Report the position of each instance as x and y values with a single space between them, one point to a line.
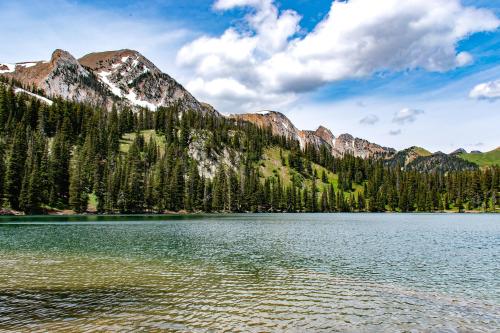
344 144
326 135
347 144
210 161
279 123
123 77
69 80
309 138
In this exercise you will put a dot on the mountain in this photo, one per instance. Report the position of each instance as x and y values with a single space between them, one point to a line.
59 151
440 162
407 156
420 159
483 159
125 78
459 151
339 146
122 78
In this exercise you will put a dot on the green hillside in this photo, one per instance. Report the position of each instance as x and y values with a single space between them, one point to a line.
272 165
421 151
484 159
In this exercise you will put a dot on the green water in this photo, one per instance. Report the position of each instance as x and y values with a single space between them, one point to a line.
251 273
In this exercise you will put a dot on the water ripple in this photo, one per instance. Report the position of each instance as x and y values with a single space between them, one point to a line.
237 276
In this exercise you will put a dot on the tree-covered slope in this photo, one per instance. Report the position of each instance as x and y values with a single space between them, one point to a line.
68 155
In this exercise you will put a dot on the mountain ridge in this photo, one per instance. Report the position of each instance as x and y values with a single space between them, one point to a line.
343 144
125 78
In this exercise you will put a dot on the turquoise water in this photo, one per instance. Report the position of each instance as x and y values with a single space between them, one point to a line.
251 273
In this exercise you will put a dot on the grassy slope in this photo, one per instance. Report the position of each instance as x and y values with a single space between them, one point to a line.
484 159
421 151
271 164
128 138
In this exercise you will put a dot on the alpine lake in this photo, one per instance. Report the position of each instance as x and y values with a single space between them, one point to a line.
251 273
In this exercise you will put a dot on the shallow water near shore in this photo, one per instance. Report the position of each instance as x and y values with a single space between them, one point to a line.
251 273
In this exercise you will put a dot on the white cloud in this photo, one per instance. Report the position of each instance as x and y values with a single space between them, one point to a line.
406 115
356 39
229 4
370 119
488 90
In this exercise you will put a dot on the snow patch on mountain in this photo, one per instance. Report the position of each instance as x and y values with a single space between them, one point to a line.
43 99
132 97
114 89
27 64
7 68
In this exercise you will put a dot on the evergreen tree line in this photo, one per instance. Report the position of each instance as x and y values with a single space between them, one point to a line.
70 155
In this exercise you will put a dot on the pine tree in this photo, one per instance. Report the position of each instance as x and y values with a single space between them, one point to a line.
59 170
324 202
331 198
15 167
314 197
32 191
78 197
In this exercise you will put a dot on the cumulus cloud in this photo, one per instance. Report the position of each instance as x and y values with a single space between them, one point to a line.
406 115
395 132
488 91
370 119
357 38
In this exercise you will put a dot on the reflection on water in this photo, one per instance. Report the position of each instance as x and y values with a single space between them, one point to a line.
252 273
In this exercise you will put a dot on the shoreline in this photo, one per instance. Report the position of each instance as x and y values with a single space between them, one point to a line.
70 213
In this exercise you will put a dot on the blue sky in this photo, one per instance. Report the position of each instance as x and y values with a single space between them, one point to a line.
353 67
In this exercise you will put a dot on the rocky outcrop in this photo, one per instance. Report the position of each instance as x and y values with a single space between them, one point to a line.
210 161
278 122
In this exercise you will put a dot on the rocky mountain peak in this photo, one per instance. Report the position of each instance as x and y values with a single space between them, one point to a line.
345 137
325 134
123 77
120 59
61 56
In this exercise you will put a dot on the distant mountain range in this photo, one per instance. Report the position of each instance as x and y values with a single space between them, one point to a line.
125 78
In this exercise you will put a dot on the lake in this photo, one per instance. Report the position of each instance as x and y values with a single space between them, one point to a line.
251 273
